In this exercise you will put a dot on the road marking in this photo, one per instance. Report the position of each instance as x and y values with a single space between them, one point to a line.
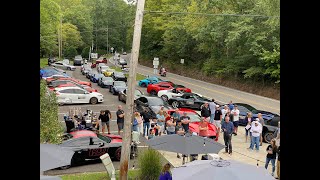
226 94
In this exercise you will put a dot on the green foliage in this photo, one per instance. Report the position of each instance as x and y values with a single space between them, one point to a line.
101 52
150 165
43 62
71 37
70 52
50 127
85 52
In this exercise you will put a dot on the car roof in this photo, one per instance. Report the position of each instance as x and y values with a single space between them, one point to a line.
63 88
83 133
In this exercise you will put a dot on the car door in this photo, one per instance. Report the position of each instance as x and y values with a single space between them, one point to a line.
67 96
58 65
164 87
82 96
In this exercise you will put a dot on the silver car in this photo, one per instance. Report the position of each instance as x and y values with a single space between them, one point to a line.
62 65
122 96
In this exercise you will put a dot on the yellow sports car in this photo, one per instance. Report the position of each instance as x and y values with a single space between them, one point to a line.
108 72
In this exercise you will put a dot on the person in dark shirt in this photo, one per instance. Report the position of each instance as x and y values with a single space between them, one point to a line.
120 118
278 164
104 118
272 155
227 128
179 131
146 121
205 111
185 120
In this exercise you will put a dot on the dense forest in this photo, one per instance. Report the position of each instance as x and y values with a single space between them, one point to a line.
235 43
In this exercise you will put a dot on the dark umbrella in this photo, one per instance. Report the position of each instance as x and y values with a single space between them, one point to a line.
221 169
188 144
53 156
50 177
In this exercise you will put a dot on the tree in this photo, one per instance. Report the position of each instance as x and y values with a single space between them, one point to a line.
71 37
50 127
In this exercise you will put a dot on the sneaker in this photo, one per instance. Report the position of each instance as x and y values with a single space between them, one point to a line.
260 144
230 153
178 156
235 134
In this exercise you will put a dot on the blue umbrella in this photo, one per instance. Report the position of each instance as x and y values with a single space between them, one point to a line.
220 169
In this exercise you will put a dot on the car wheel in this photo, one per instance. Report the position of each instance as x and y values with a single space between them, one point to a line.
143 85
268 136
113 92
153 93
68 68
175 104
165 98
117 154
93 100
77 159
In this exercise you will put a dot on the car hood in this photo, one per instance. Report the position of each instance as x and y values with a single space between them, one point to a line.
96 94
120 88
107 82
157 108
194 127
119 76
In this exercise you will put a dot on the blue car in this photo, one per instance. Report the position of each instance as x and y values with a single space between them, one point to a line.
95 77
149 80
51 72
245 108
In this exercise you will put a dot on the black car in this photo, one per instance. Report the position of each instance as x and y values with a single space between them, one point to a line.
117 86
89 146
78 61
270 126
245 108
151 103
105 82
119 76
188 100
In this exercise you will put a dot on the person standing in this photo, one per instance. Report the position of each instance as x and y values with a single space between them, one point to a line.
276 134
146 122
171 126
165 173
205 111
278 164
104 118
236 115
228 129
176 115
224 111
261 121
217 119
203 127
212 107
179 131
271 156
140 122
230 105
256 130
185 120
120 118
248 121
160 121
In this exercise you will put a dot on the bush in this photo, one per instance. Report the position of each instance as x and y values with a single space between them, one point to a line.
150 165
101 52
50 127
85 52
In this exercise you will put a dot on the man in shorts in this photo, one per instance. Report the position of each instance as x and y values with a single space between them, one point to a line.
236 114
120 118
217 119
104 119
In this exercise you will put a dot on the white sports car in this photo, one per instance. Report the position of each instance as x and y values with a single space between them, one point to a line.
76 95
168 94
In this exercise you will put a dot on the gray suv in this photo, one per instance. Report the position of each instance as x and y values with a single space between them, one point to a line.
78 61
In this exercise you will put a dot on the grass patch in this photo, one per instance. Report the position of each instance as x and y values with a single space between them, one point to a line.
43 62
116 68
132 174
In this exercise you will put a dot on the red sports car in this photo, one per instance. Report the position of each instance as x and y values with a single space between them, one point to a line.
69 78
154 88
66 83
104 60
194 124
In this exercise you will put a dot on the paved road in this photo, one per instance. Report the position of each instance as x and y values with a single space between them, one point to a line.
219 93
110 102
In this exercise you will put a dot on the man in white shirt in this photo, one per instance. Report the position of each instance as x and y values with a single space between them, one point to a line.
236 115
256 130
212 107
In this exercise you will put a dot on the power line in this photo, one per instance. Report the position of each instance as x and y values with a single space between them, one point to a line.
208 14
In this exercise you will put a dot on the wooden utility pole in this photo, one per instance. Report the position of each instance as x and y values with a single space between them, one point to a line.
126 139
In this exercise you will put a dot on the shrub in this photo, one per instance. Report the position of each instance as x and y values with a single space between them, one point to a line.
150 165
70 52
50 127
85 52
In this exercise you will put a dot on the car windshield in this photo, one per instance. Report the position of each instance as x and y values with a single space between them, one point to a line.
155 102
120 83
107 79
118 74
193 116
104 138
